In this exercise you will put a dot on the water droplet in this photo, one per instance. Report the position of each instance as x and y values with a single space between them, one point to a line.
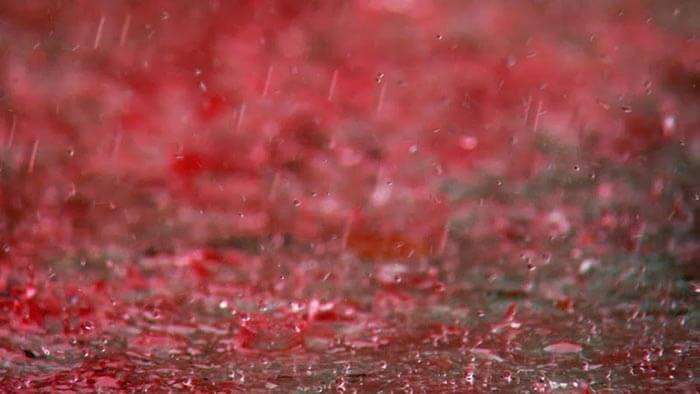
603 104
45 351
669 124
470 377
379 77
587 265
563 348
468 142
296 203
695 287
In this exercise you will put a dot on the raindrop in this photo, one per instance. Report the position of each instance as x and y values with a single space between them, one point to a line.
379 78
563 348
587 265
603 104
468 142
470 378
507 376
669 124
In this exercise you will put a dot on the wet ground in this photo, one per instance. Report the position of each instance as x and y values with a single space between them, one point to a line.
274 197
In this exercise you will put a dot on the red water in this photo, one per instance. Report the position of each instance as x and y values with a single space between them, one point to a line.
379 195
